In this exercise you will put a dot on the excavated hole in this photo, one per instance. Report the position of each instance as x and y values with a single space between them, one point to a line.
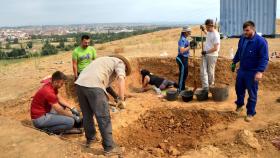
179 128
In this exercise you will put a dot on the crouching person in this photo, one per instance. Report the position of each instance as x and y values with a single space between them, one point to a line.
50 112
150 79
93 99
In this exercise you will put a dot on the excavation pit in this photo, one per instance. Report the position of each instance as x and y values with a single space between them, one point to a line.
177 128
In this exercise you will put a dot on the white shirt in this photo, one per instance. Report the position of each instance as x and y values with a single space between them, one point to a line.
101 72
212 38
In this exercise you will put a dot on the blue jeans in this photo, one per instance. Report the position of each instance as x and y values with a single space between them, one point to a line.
246 80
54 123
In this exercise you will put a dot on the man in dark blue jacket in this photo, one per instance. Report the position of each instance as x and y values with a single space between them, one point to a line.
252 54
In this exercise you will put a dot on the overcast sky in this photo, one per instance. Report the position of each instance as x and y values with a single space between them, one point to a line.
53 12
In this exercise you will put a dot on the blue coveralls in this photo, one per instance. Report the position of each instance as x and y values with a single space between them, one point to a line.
182 61
253 57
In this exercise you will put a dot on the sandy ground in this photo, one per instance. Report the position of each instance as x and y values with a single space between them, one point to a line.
212 128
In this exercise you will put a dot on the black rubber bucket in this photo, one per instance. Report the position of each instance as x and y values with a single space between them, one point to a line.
187 96
171 95
220 93
201 94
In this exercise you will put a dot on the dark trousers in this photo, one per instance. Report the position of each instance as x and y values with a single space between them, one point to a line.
94 102
183 71
246 80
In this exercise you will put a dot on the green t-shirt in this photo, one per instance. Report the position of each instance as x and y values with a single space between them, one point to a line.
83 56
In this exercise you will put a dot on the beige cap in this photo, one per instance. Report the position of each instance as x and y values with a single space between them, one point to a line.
186 29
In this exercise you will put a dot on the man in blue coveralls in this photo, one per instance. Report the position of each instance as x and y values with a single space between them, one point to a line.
252 53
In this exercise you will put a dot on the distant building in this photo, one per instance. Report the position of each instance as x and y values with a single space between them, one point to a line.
233 13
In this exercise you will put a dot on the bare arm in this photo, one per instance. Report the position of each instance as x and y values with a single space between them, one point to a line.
145 83
62 102
121 83
60 110
205 32
75 68
214 49
182 49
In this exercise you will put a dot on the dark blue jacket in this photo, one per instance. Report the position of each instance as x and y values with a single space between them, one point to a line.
254 55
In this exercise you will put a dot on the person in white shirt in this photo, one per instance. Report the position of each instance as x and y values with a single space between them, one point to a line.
210 54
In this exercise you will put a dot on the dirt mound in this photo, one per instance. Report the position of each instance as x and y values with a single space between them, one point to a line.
269 133
168 128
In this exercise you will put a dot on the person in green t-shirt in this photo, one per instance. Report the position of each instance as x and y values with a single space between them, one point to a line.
82 56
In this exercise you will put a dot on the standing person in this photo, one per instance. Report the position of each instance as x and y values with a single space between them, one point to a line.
209 54
93 99
82 56
48 110
183 56
252 53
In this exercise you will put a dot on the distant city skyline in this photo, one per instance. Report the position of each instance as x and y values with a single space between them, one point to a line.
65 12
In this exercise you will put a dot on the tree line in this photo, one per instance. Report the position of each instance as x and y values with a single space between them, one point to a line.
49 49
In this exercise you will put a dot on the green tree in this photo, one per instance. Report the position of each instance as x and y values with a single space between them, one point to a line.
2 55
8 46
29 44
48 49
17 53
16 41
61 44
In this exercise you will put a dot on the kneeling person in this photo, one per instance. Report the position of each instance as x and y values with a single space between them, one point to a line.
159 82
48 110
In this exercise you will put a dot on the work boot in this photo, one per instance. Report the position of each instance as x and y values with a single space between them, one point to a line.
238 110
115 151
89 142
248 118
73 131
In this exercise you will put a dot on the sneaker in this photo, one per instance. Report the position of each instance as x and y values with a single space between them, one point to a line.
115 151
248 118
238 110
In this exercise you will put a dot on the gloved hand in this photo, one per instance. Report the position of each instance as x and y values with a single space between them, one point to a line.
77 119
121 104
75 111
233 66
202 28
203 53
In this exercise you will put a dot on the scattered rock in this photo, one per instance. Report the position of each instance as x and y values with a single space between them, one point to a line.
173 151
162 146
157 152
247 138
